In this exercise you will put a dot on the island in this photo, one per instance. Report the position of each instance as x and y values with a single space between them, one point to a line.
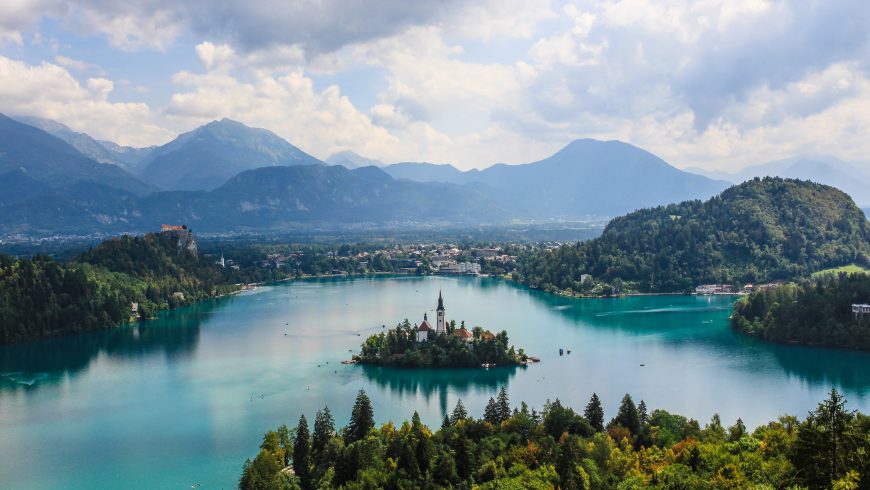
441 346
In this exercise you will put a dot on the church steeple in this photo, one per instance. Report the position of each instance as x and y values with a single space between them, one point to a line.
440 321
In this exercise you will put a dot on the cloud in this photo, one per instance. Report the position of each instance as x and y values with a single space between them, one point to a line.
710 83
50 91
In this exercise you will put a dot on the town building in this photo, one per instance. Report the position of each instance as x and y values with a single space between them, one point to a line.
464 334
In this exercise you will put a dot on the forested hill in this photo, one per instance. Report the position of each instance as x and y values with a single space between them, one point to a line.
813 311
42 298
761 230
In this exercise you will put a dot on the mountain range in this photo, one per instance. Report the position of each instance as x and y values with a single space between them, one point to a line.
352 160
226 176
210 155
822 169
586 178
98 150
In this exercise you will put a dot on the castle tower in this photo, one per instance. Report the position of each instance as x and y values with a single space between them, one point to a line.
440 322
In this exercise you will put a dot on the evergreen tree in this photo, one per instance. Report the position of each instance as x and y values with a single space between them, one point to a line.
324 429
301 453
490 413
571 476
459 412
642 414
503 405
362 418
736 431
286 442
594 413
444 473
463 453
627 415
824 446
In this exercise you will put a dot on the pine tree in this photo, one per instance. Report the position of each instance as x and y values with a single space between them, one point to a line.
301 453
503 405
627 415
463 452
736 431
824 445
362 419
459 413
324 429
285 441
490 413
444 473
594 413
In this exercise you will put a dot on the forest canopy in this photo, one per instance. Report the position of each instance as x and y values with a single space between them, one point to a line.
558 447
814 311
759 231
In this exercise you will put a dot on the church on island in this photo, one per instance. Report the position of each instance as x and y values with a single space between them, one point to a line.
425 327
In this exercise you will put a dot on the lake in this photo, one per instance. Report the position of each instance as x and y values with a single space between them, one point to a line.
184 399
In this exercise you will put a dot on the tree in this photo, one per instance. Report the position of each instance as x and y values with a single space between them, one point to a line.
823 446
571 476
642 414
361 418
302 453
444 472
459 412
490 413
285 441
736 431
594 413
324 429
503 405
463 453
627 415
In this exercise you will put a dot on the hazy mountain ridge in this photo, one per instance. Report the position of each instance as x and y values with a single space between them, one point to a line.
586 178
210 155
99 151
843 175
53 162
351 160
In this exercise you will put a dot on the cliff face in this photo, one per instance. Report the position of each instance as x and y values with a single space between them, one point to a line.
186 241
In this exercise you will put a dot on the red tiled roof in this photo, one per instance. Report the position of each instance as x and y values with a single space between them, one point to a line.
424 327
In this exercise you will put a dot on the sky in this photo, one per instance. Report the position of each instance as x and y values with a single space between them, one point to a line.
715 84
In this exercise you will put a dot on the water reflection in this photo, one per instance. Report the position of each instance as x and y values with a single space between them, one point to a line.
706 318
439 382
174 334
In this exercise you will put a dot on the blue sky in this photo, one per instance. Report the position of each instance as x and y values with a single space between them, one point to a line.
717 84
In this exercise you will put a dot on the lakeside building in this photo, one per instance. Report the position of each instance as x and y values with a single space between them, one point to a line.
714 289
860 309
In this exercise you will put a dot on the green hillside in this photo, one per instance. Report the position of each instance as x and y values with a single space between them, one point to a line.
758 231
42 298
814 311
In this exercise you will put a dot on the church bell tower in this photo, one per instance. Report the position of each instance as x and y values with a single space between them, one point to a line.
440 327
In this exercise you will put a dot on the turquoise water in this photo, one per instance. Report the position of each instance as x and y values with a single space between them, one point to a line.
186 398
